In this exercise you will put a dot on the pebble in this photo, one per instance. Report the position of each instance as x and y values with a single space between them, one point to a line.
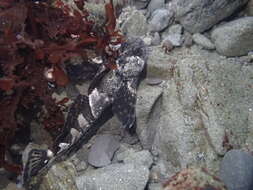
153 81
203 41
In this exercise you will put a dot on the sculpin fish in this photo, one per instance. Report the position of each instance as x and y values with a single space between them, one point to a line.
112 92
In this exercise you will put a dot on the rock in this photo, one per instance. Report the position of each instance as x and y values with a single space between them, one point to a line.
80 165
153 81
188 41
173 29
192 179
154 5
206 95
175 39
61 176
155 186
160 19
132 22
174 35
199 15
203 41
156 40
13 186
237 170
141 4
102 151
249 8
115 177
145 105
234 38
176 29
143 157
160 65
147 40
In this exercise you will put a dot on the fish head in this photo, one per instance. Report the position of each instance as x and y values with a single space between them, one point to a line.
133 58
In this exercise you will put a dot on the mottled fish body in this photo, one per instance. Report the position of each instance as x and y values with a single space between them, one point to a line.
112 92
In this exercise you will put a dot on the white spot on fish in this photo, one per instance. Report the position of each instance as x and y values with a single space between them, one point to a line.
81 120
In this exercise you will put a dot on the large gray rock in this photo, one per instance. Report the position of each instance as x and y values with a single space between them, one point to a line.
115 177
200 15
234 38
207 98
237 170
102 151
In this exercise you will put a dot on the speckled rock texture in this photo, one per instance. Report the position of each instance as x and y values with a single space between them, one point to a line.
60 177
200 15
206 102
237 170
234 38
115 177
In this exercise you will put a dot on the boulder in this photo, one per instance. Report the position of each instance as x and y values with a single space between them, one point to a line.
207 99
234 38
200 15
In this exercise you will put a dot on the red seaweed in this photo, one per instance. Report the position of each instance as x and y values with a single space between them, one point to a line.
35 37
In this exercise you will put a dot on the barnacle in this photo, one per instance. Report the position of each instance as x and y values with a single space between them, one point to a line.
36 39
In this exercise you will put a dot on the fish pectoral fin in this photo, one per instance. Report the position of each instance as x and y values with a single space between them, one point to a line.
124 106
33 161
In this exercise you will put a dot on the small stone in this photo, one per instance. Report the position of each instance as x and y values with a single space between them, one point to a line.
188 41
175 39
156 40
102 151
147 40
237 170
153 81
160 19
203 41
